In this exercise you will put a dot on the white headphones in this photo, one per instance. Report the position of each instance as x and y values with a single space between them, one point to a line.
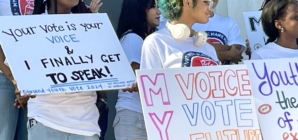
181 32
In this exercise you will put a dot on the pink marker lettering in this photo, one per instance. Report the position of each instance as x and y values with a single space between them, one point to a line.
156 86
162 125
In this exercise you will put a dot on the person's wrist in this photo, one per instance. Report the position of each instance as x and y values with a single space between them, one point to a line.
228 55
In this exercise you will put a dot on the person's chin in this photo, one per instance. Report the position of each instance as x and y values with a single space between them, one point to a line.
204 21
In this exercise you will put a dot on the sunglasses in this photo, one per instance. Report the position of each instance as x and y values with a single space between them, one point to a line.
210 4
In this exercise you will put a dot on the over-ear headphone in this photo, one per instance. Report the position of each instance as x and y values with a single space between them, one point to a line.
181 32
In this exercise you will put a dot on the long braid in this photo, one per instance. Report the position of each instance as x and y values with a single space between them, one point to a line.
55 6
39 7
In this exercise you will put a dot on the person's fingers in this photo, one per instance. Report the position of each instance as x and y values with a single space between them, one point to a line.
136 89
92 3
124 90
100 4
17 92
14 82
95 5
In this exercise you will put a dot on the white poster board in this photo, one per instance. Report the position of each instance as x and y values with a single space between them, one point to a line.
202 103
64 53
275 86
254 29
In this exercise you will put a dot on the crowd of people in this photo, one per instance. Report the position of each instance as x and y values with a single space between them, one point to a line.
153 34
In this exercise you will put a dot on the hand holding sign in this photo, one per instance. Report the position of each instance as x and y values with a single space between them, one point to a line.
21 101
133 88
235 54
67 56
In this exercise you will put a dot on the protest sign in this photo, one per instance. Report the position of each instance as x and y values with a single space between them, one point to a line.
199 103
254 29
275 86
64 53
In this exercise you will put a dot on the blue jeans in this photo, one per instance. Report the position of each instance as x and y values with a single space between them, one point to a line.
13 120
38 131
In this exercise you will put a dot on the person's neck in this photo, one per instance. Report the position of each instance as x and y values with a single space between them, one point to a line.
185 21
287 42
59 10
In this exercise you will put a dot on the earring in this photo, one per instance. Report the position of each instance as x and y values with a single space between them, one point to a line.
282 29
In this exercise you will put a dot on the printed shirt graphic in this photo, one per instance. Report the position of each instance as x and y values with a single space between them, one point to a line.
217 38
195 59
22 7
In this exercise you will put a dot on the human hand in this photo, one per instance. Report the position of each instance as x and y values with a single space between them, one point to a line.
235 54
21 101
248 50
95 5
133 88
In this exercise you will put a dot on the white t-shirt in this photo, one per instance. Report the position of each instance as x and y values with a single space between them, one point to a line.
161 50
74 113
16 7
132 46
273 51
221 30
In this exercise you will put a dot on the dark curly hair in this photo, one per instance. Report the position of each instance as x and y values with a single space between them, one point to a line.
274 10
40 6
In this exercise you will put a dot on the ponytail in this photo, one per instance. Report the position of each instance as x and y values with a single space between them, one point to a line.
55 6
39 7
271 39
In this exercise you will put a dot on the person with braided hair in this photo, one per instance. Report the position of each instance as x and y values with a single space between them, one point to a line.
280 24
63 116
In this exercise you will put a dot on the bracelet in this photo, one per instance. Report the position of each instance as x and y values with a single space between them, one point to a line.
104 100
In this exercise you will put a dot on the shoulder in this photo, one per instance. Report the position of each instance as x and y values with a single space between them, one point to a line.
265 48
131 37
224 19
162 34
262 51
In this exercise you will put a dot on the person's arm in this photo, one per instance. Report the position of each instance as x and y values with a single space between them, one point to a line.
234 37
226 53
3 67
20 101
220 48
132 46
